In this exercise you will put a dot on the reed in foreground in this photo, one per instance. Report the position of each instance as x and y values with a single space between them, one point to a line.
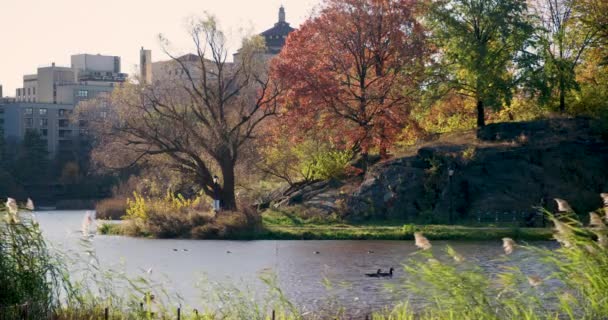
571 283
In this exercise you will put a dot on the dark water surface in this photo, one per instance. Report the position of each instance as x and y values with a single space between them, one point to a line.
299 269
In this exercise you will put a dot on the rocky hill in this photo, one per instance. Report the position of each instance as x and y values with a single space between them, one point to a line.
500 172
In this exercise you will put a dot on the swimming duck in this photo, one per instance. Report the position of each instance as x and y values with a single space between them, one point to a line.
375 275
317 252
387 274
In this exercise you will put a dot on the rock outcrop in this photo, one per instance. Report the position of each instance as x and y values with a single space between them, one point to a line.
501 171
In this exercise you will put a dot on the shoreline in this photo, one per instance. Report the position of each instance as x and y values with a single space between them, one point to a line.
362 232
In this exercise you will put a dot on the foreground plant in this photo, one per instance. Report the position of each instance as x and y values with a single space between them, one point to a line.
570 282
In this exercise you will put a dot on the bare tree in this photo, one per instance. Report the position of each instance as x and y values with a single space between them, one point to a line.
197 117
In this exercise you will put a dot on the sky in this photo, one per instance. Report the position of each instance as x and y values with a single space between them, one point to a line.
35 33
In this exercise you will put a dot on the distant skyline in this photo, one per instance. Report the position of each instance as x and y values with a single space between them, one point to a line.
38 32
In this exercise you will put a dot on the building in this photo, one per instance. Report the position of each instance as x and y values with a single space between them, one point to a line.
47 99
51 120
172 70
87 76
275 37
145 66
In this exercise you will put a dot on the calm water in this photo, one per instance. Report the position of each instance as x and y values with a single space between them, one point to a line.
179 264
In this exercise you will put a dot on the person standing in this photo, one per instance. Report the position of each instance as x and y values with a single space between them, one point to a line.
216 194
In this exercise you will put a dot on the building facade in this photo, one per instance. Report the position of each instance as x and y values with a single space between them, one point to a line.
52 121
87 76
48 98
275 37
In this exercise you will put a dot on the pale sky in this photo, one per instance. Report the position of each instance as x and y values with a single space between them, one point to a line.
34 33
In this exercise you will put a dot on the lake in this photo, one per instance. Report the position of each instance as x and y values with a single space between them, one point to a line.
300 266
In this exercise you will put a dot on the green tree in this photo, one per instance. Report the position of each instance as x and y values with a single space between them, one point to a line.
594 14
481 45
564 39
32 163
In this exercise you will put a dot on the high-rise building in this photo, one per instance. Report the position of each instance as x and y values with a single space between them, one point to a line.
145 66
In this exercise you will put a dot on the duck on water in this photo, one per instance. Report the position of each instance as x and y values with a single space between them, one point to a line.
380 274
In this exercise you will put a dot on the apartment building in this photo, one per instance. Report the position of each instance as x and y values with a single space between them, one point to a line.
48 98
87 76
51 120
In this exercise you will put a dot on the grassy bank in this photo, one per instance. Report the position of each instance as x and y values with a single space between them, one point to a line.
283 226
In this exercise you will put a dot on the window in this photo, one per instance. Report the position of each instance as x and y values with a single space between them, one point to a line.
62 112
44 132
103 114
28 91
34 89
65 133
44 122
43 111
29 111
82 93
82 123
29 122
83 132
63 123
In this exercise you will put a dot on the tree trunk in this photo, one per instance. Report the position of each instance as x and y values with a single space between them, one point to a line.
481 116
562 96
227 197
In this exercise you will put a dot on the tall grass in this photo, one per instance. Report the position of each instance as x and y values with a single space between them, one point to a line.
571 282
31 278
36 283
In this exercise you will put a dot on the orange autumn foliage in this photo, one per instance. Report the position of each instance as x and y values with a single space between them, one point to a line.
351 72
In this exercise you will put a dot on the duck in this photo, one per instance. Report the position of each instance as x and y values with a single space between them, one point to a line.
370 251
375 275
386 274
317 252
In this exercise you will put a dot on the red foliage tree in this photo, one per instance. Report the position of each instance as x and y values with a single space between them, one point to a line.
352 71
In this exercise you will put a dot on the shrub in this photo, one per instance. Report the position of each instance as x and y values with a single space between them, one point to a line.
330 164
111 209
177 217
232 224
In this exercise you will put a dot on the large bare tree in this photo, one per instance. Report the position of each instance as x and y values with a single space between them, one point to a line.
195 117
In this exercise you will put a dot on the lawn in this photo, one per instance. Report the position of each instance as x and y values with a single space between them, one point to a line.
277 225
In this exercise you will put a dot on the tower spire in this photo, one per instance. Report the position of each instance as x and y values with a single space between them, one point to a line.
281 14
